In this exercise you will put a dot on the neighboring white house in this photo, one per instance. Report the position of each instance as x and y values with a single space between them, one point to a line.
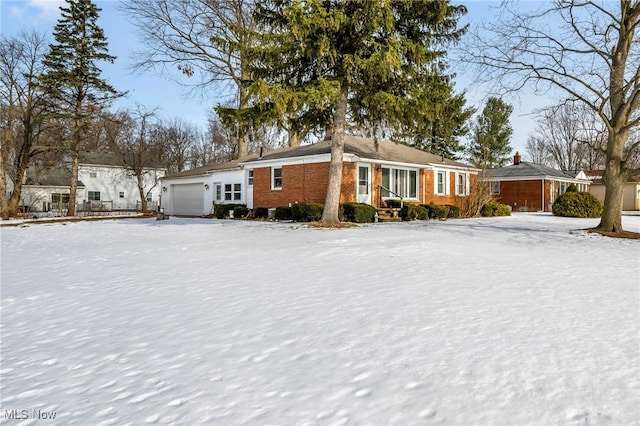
104 183
195 192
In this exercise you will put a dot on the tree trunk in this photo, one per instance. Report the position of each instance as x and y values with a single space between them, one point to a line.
143 196
332 202
22 162
75 165
294 138
6 142
614 180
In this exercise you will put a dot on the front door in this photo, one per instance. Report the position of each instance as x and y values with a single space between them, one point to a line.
363 188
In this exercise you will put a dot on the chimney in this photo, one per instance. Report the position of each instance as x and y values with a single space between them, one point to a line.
260 157
516 159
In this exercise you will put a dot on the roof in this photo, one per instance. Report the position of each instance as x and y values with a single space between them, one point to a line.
527 170
203 170
364 148
49 176
114 159
597 176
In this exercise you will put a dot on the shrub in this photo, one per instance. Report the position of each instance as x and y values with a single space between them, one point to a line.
306 212
283 213
393 204
577 204
221 211
261 212
240 212
358 212
493 208
436 212
454 211
414 212
572 188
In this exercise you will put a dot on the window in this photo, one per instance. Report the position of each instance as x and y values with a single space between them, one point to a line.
218 192
399 183
232 192
121 194
56 197
363 180
495 187
462 184
94 195
149 196
93 174
250 181
441 186
276 178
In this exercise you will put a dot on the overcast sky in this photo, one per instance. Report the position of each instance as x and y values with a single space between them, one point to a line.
154 91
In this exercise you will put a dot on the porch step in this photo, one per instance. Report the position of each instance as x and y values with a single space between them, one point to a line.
389 214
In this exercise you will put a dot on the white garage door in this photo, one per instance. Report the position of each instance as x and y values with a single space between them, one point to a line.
188 199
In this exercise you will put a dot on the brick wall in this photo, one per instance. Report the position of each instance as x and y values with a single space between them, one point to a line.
523 195
301 183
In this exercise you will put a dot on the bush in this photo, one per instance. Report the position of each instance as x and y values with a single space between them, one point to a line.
306 212
283 213
221 211
393 204
572 188
436 212
577 204
454 211
261 213
493 208
240 212
414 212
358 212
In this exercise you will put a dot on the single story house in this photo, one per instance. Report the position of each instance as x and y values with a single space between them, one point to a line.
630 195
528 186
373 172
104 183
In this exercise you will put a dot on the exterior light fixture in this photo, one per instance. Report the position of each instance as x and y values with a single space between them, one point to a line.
164 189
206 186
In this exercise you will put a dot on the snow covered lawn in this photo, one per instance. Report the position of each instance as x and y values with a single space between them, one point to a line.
504 321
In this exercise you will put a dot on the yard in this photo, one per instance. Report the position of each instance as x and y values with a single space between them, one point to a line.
520 320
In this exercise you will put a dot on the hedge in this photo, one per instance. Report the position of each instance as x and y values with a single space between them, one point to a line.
261 213
414 212
436 212
240 212
358 212
493 208
306 212
577 204
221 211
283 213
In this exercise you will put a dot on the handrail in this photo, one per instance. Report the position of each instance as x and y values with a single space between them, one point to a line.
391 192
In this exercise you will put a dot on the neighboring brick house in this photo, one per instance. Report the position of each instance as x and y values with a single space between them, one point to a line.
630 195
528 186
372 173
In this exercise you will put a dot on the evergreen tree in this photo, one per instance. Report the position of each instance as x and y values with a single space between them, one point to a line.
72 79
378 62
491 134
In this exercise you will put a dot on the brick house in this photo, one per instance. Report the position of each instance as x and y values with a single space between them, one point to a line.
528 186
372 173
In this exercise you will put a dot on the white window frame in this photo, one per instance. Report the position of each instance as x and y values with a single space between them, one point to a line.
494 187
445 182
274 186
462 177
91 196
218 191
120 194
232 191
250 177
400 183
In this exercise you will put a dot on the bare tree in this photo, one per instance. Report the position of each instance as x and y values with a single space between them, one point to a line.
175 139
206 40
130 137
22 117
589 52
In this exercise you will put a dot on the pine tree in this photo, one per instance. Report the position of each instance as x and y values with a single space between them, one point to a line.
378 62
491 135
72 80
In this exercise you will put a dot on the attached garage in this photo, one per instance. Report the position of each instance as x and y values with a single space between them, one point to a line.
187 199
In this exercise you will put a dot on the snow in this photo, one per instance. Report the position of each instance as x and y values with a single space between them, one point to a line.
518 320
